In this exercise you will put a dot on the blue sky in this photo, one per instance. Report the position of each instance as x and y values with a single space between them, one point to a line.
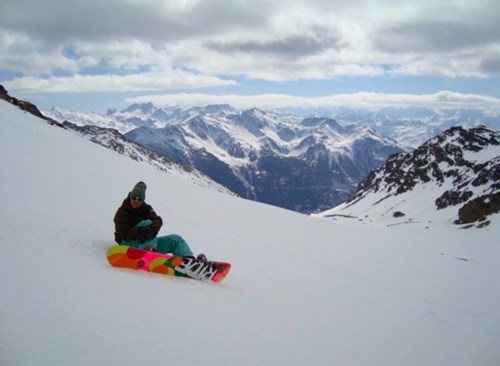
91 55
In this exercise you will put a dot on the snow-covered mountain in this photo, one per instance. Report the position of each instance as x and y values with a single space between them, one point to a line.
299 164
411 127
303 164
136 115
88 119
112 139
370 295
456 173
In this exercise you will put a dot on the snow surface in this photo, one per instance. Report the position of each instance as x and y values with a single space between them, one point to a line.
301 290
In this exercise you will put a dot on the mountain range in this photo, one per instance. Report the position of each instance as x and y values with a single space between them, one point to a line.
302 164
306 164
112 139
411 127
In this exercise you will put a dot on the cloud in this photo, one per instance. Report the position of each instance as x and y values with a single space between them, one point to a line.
447 38
440 100
293 45
116 83
491 63
153 20
442 28
218 40
16 54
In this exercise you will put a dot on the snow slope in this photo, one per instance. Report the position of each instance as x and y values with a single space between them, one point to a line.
301 290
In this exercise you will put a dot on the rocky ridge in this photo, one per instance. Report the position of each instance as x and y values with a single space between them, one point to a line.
461 166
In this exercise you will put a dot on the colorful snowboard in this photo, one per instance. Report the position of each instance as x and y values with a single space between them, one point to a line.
130 257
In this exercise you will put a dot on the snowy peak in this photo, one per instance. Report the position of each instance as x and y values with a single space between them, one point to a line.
213 109
318 122
459 171
142 108
457 153
87 119
300 164
460 140
412 127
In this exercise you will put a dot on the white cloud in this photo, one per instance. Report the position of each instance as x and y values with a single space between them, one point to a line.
21 53
440 100
275 40
116 83
157 46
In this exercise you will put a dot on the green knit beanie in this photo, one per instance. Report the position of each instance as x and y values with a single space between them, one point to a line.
139 190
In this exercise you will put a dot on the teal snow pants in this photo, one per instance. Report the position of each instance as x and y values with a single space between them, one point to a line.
173 243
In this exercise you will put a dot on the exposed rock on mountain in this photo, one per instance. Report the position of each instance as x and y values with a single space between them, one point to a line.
458 172
26 106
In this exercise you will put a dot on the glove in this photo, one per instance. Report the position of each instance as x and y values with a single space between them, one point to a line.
144 234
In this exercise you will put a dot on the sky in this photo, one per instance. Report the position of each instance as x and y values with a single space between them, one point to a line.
95 54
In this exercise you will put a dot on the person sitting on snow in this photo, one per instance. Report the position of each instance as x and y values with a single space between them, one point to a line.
137 225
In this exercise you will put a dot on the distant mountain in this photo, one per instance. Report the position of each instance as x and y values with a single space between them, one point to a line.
411 127
299 164
88 119
456 173
303 164
114 140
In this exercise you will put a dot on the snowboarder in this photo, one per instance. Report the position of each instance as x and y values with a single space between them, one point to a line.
137 225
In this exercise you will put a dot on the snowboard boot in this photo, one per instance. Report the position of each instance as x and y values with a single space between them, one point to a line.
202 258
199 258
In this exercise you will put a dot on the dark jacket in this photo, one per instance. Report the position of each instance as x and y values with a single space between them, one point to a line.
127 217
